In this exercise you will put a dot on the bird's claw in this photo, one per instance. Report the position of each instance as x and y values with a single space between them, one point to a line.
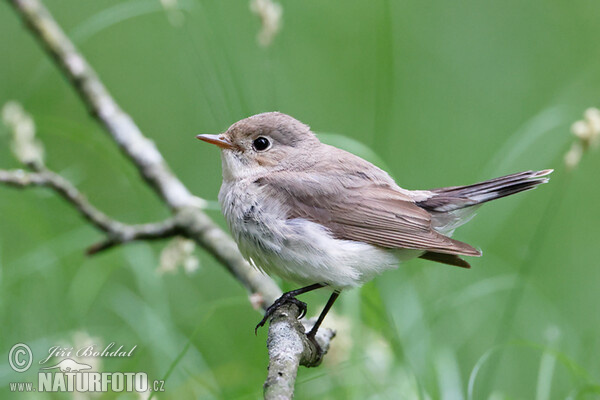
278 303
311 337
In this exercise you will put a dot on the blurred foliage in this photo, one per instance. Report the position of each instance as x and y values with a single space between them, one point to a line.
440 93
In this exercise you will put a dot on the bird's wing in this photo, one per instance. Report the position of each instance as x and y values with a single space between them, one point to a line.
355 207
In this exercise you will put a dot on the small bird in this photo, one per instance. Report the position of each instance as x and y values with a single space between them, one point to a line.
319 216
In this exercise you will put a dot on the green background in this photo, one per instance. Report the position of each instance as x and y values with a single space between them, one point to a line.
442 92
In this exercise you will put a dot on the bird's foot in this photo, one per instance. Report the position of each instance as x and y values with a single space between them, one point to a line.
285 298
316 360
311 336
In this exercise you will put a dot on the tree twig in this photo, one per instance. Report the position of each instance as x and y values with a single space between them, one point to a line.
117 232
289 348
151 231
101 105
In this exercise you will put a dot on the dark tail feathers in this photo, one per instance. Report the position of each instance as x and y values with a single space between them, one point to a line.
457 197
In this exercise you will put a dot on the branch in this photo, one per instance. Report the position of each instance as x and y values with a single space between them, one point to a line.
142 152
289 348
102 106
288 345
128 233
117 232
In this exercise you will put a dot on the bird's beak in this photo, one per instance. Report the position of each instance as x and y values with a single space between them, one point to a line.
219 140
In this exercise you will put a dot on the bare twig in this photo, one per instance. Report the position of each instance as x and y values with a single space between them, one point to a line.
289 348
287 340
102 106
128 233
117 232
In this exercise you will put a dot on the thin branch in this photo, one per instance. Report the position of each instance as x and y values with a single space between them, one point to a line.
101 105
22 179
289 348
152 231
141 151
117 232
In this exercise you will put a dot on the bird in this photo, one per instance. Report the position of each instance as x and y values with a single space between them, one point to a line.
321 217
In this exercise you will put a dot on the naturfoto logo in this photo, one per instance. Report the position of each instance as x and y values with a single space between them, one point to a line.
69 375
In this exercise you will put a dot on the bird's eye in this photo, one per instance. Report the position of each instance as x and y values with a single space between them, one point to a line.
261 143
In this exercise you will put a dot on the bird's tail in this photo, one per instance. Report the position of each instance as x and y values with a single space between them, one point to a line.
457 197
451 207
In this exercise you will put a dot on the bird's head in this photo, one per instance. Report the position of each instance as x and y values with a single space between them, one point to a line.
261 143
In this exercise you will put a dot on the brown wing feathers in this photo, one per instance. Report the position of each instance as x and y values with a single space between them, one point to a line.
379 216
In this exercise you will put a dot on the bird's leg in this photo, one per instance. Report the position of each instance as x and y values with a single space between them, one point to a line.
313 331
289 297
315 328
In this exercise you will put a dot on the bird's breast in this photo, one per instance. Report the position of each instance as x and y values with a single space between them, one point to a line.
255 220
